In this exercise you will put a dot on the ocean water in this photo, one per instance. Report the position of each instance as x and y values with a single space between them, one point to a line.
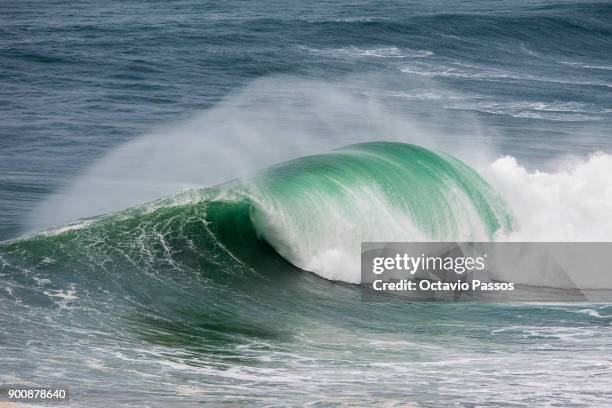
184 186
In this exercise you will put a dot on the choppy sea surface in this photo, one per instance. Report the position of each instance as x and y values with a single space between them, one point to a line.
198 233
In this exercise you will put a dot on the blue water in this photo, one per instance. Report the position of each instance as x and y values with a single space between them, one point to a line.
77 80
106 105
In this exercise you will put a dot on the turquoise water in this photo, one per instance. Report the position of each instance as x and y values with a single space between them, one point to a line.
184 187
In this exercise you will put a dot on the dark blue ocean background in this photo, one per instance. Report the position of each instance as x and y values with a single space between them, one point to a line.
80 78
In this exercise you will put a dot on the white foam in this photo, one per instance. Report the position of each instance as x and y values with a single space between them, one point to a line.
481 72
375 52
558 111
571 204
65 295
595 313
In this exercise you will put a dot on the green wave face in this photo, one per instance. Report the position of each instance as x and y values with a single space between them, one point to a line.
434 189
316 210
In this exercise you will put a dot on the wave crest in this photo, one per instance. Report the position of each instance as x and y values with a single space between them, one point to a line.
316 211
